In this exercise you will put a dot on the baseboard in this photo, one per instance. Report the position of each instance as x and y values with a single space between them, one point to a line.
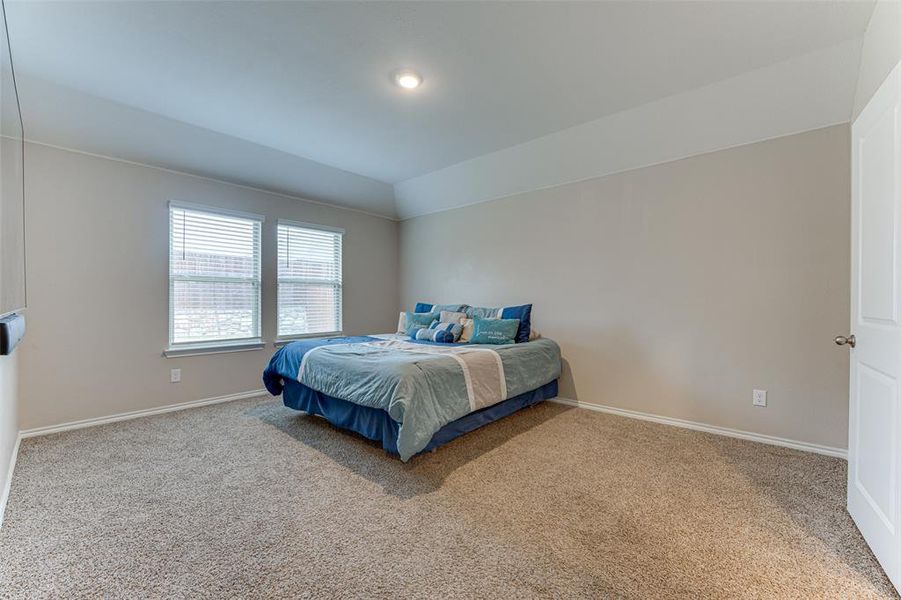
696 426
136 414
632 414
7 485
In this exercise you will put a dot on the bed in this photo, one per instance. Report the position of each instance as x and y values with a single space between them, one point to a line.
412 396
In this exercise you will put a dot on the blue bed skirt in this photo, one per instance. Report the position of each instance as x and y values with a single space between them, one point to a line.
375 424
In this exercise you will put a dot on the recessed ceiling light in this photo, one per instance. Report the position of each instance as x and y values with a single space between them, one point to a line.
409 80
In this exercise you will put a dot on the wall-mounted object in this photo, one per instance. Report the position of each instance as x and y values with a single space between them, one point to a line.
12 182
12 330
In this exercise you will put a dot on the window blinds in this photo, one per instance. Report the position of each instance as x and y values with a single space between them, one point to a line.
214 276
309 280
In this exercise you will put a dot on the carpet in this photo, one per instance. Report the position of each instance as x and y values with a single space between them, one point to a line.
250 499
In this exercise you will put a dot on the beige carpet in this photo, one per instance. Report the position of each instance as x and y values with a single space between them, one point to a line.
250 499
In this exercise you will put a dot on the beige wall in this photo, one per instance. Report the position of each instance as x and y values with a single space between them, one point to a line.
97 250
881 51
674 289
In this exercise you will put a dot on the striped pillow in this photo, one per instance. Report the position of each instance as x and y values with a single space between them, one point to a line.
444 333
415 321
426 307
402 321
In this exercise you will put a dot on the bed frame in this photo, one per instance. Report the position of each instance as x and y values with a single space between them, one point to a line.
375 423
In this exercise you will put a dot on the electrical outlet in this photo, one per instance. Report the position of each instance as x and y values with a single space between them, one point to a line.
758 398
175 375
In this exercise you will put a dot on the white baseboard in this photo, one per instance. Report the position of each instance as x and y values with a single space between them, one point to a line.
7 485
685 424
632 414
136 414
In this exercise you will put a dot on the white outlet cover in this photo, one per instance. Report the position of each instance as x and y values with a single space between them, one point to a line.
758 398
175 375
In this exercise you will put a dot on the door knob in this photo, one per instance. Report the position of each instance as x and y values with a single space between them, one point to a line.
842 340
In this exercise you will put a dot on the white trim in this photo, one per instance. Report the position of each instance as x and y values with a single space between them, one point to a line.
684 124
222 181
696 426
215 210
212 348
7 485
255 279
551 186
693 425
325 335
284 227
314 226
136 414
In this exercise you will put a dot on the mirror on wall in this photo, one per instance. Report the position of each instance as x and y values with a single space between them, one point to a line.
12 182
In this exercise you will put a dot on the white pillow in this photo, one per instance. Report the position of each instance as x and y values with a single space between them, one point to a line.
467 330
402 323
451 317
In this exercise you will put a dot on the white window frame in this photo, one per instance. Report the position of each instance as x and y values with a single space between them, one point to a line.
176 349
282 339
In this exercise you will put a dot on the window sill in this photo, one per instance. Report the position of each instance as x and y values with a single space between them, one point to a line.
213 348
279 342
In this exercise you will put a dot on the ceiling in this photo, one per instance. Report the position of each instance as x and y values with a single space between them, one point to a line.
307 84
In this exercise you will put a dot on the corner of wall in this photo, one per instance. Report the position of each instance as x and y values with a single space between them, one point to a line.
880 52
9 424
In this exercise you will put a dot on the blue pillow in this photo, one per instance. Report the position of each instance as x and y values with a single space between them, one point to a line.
415 320
522 312
424 307
443 333
494 331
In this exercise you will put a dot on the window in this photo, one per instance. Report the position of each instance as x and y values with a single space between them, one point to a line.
309 279
214 277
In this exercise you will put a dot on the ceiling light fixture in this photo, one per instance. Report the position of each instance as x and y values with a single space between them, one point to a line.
409 80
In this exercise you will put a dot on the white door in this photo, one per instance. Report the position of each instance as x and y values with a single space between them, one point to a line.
874 464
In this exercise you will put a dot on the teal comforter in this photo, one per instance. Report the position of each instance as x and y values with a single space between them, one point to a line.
421 386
